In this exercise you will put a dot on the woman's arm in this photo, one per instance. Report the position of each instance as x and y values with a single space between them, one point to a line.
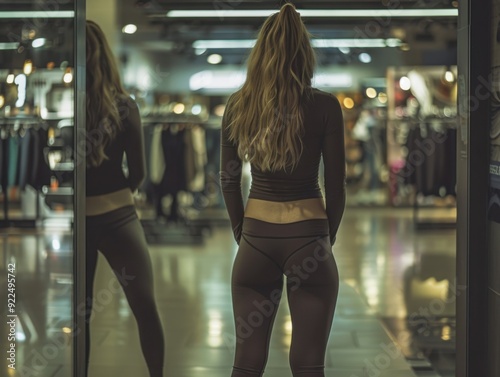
230 179
333 151
134 145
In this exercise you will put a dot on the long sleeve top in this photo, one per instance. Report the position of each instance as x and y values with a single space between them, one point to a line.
109 176
323 137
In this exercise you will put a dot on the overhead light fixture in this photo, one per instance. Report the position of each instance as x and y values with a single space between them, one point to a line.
344 44
345 50
9 45
28 67
316 13
200 51
38 14
405 83
179 108
371 93
348 103
68 76
129 29
39 42
382 97
214 59
196 110
365 58
449 76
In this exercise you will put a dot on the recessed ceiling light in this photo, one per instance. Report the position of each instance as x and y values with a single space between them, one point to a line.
39 42
129 29
214 59
371 93
405 83
348 103
365 58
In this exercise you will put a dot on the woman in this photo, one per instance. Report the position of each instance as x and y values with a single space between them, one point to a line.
114 129
282 126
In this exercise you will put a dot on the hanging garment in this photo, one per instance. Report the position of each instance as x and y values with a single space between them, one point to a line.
156 157
13 161
195 158
4 150
26 157
174 178
41 172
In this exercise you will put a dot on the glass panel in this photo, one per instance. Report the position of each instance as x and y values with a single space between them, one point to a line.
36 186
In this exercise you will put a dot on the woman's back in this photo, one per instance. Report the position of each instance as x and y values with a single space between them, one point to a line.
293 195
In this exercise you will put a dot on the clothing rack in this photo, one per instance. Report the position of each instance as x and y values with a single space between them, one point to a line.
422 223
177 227
7 126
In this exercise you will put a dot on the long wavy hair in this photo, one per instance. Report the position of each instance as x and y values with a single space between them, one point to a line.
266 114
104 87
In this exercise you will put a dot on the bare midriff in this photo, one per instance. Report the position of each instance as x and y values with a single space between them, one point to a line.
286 212
99 204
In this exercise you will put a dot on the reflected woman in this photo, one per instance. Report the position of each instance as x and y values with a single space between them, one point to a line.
112 226
282 125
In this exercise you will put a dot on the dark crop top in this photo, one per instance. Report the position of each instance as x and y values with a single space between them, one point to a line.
109 176
323 136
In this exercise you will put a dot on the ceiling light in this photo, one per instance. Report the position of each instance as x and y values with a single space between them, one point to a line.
318 13
344 44
204 44
365 58
200 51
214 59
68 76
382 97
10 78
371 93
38 14
405 83
9 45
196 110
348 103
129 29
28 67
179 108
449 76
345 50
39 42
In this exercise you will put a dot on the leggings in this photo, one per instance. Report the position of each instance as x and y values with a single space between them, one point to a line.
267 251
119 236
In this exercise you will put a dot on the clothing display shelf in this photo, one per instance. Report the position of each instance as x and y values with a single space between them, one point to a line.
449 126
8 127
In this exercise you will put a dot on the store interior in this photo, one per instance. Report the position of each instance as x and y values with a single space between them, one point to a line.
395 75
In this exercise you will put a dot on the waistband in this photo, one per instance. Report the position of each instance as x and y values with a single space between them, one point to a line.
311 227
121 215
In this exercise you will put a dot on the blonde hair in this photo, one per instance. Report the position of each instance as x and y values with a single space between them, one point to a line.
104 87
266 114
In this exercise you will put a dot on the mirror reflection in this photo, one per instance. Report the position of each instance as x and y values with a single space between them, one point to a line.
37 186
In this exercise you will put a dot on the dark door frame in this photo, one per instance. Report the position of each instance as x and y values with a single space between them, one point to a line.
473 155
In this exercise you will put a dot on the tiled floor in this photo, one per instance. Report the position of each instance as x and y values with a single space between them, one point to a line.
387 270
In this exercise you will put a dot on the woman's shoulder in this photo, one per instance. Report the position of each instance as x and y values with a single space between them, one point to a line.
321 100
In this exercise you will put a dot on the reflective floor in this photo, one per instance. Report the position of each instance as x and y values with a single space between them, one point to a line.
395 312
